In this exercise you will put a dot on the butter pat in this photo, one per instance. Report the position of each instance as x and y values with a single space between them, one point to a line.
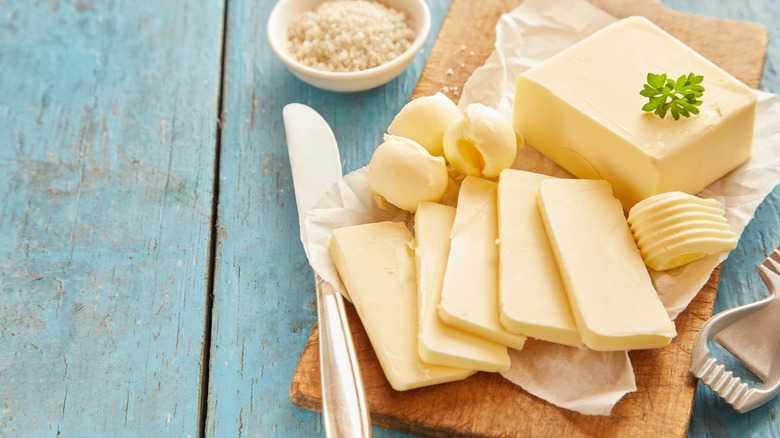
610 292
424 120
481 142
469 297
675 228
438 343
403 173
376 264
582 109
531 297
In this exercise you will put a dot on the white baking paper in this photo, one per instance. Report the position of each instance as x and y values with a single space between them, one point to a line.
577 379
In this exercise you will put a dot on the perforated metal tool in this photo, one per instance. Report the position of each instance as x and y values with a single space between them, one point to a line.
742 396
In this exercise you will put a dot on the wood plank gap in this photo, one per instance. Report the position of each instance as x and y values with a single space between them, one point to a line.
213 238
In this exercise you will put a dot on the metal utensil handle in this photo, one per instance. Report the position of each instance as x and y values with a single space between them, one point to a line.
344 406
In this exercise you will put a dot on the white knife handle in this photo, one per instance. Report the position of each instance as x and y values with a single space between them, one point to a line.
344 406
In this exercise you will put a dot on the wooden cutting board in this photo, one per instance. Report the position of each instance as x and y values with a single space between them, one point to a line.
487 405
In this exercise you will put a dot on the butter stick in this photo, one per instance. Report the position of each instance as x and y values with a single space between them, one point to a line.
610 292
531 297
376 264
438 343
469 297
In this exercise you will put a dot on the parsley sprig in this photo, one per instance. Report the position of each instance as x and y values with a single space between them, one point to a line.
684 94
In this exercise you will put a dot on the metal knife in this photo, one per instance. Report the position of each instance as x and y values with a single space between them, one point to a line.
316 166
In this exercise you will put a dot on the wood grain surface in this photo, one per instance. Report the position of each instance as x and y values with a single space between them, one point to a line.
107 154
486 405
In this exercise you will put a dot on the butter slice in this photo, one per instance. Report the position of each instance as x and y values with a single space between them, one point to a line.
438 343
469 297
376 264
532 300
610 292
582 109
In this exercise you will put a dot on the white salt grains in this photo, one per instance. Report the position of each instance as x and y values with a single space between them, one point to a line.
349 35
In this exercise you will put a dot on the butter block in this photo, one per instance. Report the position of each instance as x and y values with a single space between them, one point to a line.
675 228
438 343
610 292
582 109
469 297
531 297
376 264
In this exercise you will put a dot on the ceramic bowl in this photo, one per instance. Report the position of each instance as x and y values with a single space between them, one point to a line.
286 11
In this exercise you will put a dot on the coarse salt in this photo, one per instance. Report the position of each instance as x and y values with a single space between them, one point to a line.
349 35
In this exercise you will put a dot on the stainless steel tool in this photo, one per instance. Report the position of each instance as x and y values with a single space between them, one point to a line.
315 164
756 341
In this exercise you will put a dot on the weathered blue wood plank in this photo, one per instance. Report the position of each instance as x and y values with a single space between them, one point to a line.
107 156
263 291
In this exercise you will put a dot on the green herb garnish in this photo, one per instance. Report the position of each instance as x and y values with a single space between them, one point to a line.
684 95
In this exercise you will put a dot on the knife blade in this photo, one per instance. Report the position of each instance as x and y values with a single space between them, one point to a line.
316 166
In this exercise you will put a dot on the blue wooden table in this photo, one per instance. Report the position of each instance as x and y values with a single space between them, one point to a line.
152 282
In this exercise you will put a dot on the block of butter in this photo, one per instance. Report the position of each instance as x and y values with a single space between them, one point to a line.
376 264
469 296
531 297
610 292
439 343
582 109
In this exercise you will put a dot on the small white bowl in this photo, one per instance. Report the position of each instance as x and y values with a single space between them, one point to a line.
287 10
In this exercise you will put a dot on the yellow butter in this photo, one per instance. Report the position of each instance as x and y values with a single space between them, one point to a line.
376 264
675 228
424 120
403 173
610 292
532 300
438 343
469 298
481 142
582 108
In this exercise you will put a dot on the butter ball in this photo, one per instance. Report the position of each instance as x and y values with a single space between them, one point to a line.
424 121
403 173
481 142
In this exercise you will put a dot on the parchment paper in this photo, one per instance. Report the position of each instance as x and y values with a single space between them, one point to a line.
594 381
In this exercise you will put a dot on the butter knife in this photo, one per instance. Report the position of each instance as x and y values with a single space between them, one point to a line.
316 166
